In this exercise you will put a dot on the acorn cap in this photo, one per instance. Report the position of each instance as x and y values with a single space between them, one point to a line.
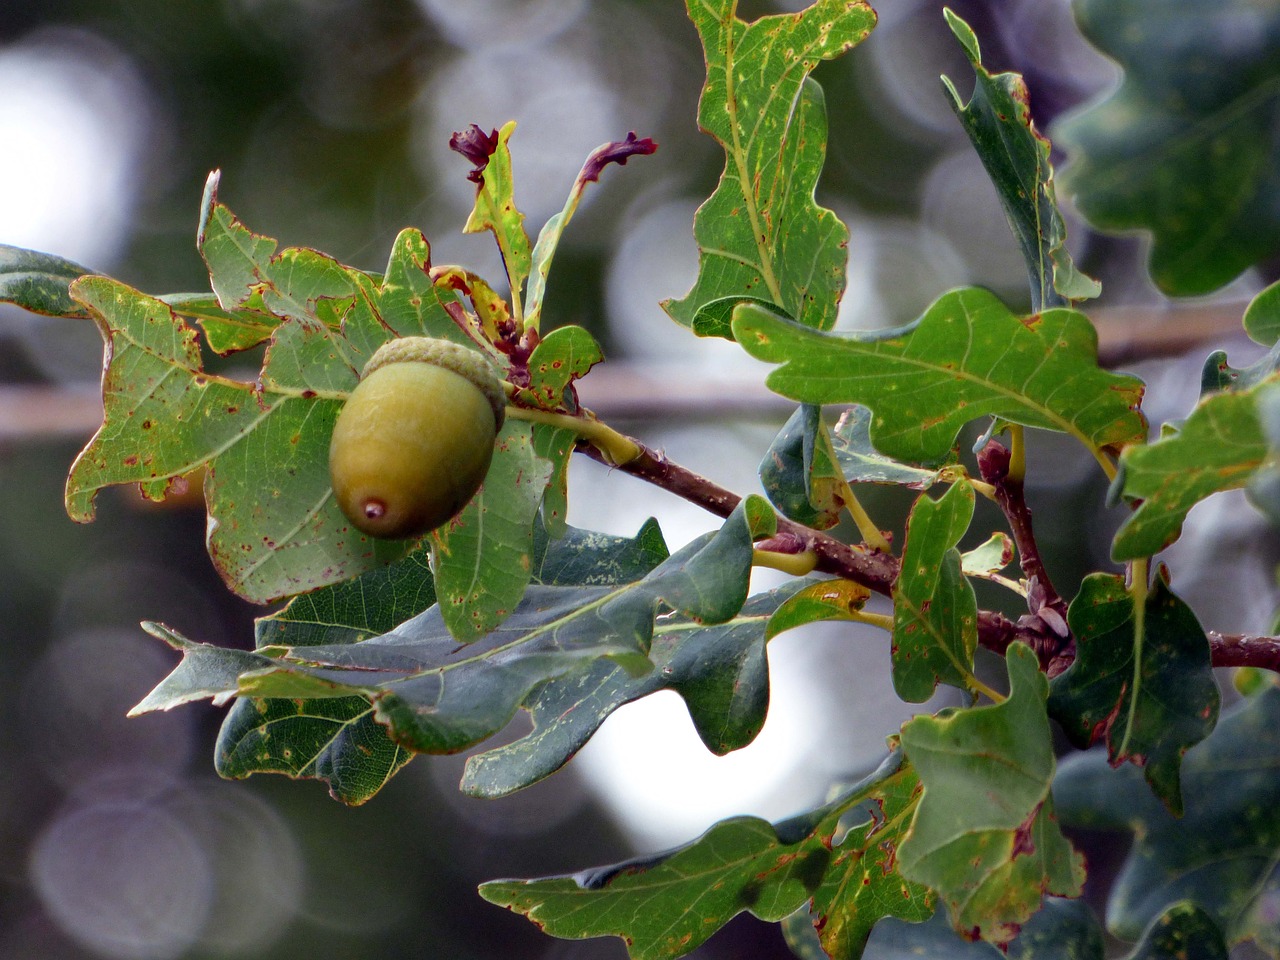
454 357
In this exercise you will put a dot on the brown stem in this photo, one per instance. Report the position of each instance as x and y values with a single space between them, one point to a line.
1048 611
1241 650
878 571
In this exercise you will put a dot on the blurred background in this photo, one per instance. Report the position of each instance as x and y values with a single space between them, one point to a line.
330 120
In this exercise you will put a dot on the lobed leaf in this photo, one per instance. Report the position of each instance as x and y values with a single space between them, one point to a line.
666 906
797 472
38 281
338 740
438 696
1060 930
1184 930
1183 147
984 835
1219 447
967 357
495 208
1222 854
760 235
1142 679
935 612
861 462
997 119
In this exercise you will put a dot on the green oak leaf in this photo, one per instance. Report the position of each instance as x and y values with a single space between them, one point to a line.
484 555
836 599
967 357
1223 854
439 696
1143 683
761 235
274 528
1264 485
997 119
1184 930
338 740
1183 147
495 208
935 612
38 282
861 462
798 474
989 557
1262 323
985 836
665 906
721 671
562 356
1060 930
333 739
1218 447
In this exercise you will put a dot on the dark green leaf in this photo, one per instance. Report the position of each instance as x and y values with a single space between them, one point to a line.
1060 930
1218 447
1184 146
967 357
935 613
797 474
1183 931
1144 684
761 235
985 837
439 696
38 282
1222 854
336 740
1262 323
998 121
721 672
665 906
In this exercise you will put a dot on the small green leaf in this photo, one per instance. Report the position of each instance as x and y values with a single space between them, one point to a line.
797 474
1223 854
998 121
1144 683
205 672
562 356
1262 316
761 235
967 357
984 836
665 906
38 282
1183 147
861 462
1219 447
935 613
988 558
495 210
825 600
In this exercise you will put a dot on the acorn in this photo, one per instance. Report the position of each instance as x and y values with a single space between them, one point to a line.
414 440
